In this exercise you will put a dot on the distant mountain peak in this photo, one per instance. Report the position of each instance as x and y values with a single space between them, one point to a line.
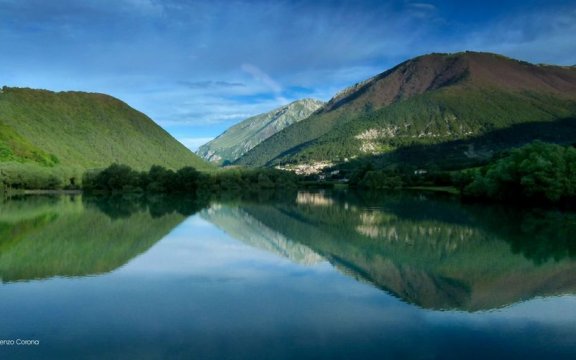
436 70
240 138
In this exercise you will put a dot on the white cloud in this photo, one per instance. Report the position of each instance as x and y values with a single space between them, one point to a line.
422 6
145 7
422 10
264 78
544 37
261 76
197 67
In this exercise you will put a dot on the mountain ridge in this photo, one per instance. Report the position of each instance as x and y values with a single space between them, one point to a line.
70 132
418 98
240 138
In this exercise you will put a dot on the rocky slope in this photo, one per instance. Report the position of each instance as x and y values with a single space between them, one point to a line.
461 107
242 137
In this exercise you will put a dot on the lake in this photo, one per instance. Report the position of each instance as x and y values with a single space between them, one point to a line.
297 275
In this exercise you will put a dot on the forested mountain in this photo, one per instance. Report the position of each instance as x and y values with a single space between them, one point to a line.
447 110
65 133
242 137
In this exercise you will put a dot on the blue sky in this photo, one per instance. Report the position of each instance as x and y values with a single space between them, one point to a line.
197 67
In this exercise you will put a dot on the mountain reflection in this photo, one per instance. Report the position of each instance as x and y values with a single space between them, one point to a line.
244 227
433 252
44 237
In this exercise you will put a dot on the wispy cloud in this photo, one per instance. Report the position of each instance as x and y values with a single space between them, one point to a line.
422 6
202 65
540 36
259 75
204 84
144 7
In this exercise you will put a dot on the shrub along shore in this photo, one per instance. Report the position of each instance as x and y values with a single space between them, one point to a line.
122 178
537 174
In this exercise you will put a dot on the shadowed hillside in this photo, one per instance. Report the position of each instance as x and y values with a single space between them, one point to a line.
430 100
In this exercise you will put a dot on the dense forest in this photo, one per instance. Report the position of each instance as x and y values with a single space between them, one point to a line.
535 174
122 178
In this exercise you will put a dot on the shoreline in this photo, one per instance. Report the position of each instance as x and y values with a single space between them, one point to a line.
49 192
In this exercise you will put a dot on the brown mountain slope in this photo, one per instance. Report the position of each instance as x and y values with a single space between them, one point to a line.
475 93
435 71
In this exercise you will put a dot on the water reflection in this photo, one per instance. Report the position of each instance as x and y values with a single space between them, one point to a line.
432 252
44 237
244 227
278 290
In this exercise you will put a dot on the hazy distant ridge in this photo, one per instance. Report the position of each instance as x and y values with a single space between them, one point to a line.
242 137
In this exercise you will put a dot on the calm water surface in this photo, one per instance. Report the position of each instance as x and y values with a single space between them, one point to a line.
304 276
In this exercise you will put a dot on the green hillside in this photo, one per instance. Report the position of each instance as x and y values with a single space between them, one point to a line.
14 147
69 132
436 109
242 137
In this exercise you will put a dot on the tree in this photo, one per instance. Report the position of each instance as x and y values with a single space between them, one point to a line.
187 179
118 177
537 172
160 179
